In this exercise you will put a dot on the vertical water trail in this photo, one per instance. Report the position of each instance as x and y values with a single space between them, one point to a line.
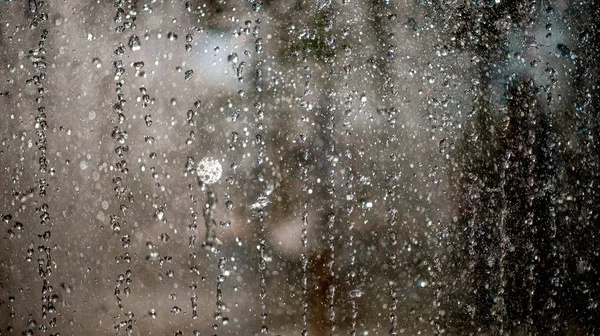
470 198
45 261
383 31
125 18
304 257
304 262
472 193
550 188
330 263
555 247
331 159
354 292
262 199
262 268
190 169
346 161
308 190
158 201
331 217
354 311
384 59
584 226
532 249
220 305
392 241
499 311
211 243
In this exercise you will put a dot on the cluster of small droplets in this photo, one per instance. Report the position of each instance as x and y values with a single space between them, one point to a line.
41 127
123 281
35 7
37 57
122 191
48 302
191 123
240 71
194 301
16 228
145 98
189 38
126 15
45 264
126 325
385 9
259 138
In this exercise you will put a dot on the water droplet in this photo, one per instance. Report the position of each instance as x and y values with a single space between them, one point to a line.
209 170
356 293
159 214
97 63
188 74
134 43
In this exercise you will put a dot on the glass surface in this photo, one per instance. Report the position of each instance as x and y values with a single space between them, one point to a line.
328 167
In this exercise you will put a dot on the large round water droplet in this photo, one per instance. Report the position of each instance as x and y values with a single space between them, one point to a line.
209 170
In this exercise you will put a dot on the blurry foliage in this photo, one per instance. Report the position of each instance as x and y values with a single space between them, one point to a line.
483 26
312 38
522 241
526 188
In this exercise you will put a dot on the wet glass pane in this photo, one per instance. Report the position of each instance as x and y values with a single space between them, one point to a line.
328 167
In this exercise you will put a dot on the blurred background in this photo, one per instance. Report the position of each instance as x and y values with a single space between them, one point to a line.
323 167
